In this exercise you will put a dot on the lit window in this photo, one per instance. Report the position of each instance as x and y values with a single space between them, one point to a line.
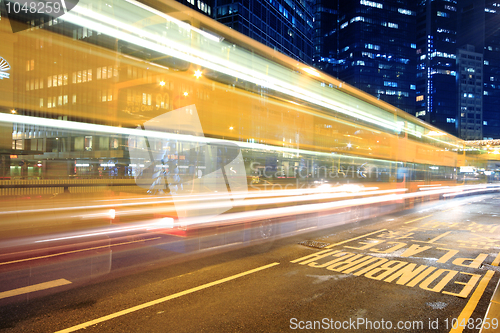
405 11
371 4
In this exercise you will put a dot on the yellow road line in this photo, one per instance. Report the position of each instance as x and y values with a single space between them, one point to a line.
74 251
496 262
349 240
472 303
164 299
35 287
420 218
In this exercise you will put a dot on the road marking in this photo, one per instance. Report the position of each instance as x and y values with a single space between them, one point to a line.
420 218
349 240
496 261
472 303
74 251
164 299
33 288
435 239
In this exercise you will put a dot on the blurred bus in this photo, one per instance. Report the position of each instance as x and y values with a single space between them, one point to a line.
84 111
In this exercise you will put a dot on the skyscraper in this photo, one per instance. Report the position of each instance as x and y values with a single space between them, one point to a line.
376 49
436 63
325 40
491 85
285 25
470 93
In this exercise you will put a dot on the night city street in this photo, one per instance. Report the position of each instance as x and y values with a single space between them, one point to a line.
249 166
450 256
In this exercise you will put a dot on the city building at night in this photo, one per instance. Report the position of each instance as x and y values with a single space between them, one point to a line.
376 49
202 6
436 64
325 41
285 25
470 93
491 76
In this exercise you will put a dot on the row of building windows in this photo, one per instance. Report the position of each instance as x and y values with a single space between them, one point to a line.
393 93
368 20
52 102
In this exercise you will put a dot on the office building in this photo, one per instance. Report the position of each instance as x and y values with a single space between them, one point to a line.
376 49
491 76
285 25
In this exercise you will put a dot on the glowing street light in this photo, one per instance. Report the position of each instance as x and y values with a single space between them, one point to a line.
186 93
162 83
198 74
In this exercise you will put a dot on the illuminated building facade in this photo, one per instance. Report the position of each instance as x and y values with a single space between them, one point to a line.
285 25
61 78
470 93
491 85
325 40
436 69
203 6
376 49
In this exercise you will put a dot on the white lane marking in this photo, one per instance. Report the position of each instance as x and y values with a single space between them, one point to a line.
35 287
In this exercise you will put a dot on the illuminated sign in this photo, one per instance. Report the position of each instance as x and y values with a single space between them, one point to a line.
467 169
4 67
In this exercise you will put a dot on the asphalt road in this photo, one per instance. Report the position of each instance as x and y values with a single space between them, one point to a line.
424 270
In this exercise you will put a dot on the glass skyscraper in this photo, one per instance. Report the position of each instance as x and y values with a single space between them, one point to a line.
325 40
436 63
491 85
285 25
376 49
